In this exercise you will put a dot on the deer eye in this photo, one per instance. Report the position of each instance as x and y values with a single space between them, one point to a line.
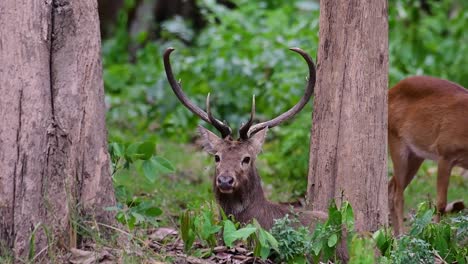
217 158
245 160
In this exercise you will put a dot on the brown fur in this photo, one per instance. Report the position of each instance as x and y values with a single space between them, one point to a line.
427 119
247 200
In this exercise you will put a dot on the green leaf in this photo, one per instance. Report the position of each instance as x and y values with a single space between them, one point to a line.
271 239
138 218
421 221
316 248
156 166
348 216
228 230
383 240
116 150
301 259
332 240
334 216
131 153
163 165
230 234
130 220
266 241
120 216
146 149
152 212
187 229
150 170
140 151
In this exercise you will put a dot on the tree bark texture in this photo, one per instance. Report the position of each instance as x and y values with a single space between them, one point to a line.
54 166
348 155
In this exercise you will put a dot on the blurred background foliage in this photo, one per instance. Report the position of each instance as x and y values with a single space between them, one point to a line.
234 49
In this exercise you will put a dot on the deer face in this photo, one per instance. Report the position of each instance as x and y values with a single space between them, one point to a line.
234 159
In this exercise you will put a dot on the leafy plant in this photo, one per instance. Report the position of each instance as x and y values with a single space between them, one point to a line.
187 229
297 244
384 241
206 225
426 240
411 250
293 243
138 157
203 225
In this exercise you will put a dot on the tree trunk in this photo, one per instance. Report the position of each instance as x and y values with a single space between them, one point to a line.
54 167
348 155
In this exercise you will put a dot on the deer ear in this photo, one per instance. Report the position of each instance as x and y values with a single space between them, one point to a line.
258 139
209 141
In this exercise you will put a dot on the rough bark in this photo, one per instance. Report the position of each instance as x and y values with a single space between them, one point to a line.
54 167
348 155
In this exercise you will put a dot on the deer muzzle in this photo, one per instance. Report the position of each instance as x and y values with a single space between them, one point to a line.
225 183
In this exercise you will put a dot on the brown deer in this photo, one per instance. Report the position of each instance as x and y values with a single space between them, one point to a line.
237 185
427 119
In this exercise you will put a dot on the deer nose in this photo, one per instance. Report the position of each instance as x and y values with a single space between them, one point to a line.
225 181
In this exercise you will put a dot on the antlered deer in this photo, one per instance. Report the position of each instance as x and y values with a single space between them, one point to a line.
237 185
427 119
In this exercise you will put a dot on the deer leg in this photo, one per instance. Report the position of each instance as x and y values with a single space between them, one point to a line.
405 164
395 185
444 167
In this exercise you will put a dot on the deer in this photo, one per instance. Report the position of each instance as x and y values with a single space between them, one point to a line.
427 119
236 183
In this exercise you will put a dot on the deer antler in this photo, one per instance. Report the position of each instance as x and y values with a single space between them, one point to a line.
291 112
244 129
223 128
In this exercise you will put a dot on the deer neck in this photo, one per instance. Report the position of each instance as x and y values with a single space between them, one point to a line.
240 201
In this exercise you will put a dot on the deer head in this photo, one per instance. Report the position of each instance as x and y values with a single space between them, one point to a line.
236 184
235 160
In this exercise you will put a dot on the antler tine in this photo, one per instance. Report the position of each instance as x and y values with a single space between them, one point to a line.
176 87
220 126
298 107
244 129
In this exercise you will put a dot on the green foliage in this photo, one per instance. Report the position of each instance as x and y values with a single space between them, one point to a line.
207 226
297 244
136 157
411 250
203 224
187 229
442 237
293 243
384 241
326 237
429 43
231 234
264 242
426 240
